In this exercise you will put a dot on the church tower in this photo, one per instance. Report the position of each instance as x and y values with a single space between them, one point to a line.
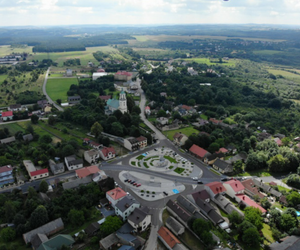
122 102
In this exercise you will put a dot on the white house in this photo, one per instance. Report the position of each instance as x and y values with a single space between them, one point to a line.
98 75
162 120
115 195
234 187
140 219
107 153
7 115
125 207
91 156
215 188
72 163
34 172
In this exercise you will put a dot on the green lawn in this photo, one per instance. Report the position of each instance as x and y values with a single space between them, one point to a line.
146 165
259 173
58 88
2 78
170 159
140 157
191 241
179 170
133 163
6 50
204 117
56 75
267 233
187 131
12 127
214 171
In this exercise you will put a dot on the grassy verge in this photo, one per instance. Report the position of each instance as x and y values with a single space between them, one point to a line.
179 170
165 215
133 163
171 167
146 165
214 171
190 240
170 159
12 127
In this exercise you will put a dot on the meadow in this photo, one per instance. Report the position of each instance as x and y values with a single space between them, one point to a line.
58 88
2 78
284 73
187 131
230 62
7 50
267 52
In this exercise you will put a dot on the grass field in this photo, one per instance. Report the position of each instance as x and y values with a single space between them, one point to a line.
187 131
267 232
284 73
267 52
12 127
162 38
2 78
58 88
6 50
230 62
84 56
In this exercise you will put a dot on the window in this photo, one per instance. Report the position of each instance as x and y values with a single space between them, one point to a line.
41 175
144 223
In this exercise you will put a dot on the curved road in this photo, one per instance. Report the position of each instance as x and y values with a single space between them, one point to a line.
45 92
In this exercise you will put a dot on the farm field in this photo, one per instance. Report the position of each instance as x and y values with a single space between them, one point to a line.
12 127
267 52
84 56
58 88
187 131
7 50
230 62
284 73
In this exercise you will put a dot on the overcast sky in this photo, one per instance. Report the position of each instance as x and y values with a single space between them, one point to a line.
62 12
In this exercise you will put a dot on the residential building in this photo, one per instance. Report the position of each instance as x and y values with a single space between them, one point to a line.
234 187
69 72
8 140
74 99
198 152
231 149
42 103
241 198
84 172
288 243
251 189
266 188
57 242
7 116
123 76
125 207
283 200
223 150
226 205
239 157
28 137
163 94
98 75
78 182
48 229
105 97
142 141
109 242
92 229
162 120
140 219
56 168
92 156
169 239
147 110
222 166
95 145
72 163
34 172
215 188
190 207
203 195
6 175
115 195
175 226
107 153
133 144
15 107
114 104
179 139
210 159
178 212
215 121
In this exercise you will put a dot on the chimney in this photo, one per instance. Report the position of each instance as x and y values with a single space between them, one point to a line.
243 197
236 184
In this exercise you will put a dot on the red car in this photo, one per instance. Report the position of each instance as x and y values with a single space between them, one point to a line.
138 185
135 184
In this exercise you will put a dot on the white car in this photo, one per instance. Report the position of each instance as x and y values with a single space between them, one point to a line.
195 178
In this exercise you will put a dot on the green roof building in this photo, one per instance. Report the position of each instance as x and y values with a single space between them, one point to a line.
57 242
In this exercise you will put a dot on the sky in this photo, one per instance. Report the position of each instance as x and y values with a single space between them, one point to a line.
67 12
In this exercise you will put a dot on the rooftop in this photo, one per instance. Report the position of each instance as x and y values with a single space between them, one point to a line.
106 151
168 237
125 203
116 193
250 202
4 169
198 151
7 113
84 172
216 187
235 185
138 215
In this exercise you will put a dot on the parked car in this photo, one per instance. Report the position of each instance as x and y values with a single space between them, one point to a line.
126 180
138 185
199 182
133 182
165 193
195 178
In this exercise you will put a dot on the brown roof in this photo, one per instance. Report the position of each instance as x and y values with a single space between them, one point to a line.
249 185
203 195
198 151
168 237
141 138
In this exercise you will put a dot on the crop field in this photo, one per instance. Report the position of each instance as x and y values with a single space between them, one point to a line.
284 73
7 50
163 38
58 88
84 56
267 52
230 62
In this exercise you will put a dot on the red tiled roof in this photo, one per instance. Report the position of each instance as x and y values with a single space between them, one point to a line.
94 143
84 172
105 97
216 187
222 150
141 138
213 120
198 151
235 185
186 107
106 151
5 169
249 185
116 193
101 70
250 202
7 113
168 237
38 172
123 73
147 108
86 139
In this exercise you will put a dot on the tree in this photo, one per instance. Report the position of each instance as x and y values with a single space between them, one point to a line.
213 147
246 145
31 193
39 217
96 129
161 113
8 234
58 101
251 237
235 218
76 217
111 224
34 119
201 228
68 150
136 110
43 186
293 199
19 219
287 222
278 163
51 120
265 203
253 215
45 139
117 129
10 210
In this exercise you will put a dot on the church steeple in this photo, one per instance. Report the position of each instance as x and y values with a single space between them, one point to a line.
123 102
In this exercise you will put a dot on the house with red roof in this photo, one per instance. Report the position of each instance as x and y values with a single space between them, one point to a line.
107 153
95 145
105 97
147 110
100 70
7 115
34 172
84 172
234 187
123 76
6 175
278 141
215 121
215 188
198 152
241 198
222 150
115 195
168 238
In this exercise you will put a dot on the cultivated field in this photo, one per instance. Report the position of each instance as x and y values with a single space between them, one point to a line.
58 88
230 62
267 52
7 50
284 73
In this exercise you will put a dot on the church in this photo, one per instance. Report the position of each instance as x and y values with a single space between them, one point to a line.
114 104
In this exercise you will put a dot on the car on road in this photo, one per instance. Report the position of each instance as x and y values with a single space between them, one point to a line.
199 182
165 193
195 178
126 180
116 184
224 179
129 181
